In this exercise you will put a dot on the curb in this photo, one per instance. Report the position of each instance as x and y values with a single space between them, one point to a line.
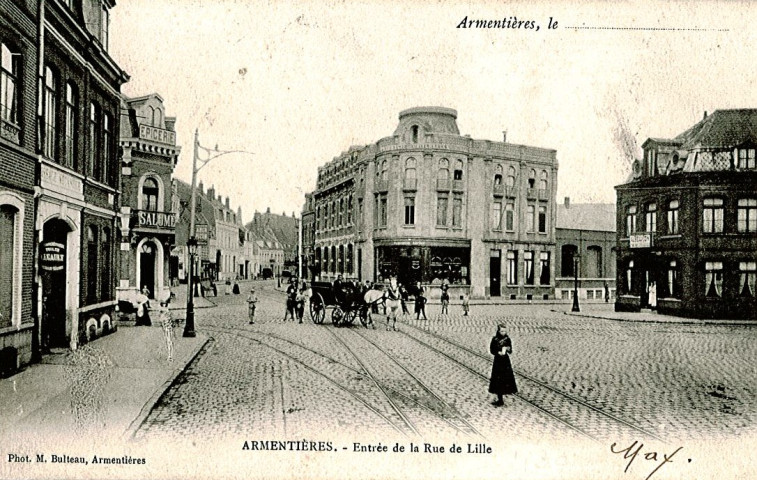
671 321
131 430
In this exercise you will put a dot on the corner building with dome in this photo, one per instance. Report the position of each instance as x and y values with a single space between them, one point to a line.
430 205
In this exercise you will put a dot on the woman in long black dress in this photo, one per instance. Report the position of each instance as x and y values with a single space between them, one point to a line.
503 380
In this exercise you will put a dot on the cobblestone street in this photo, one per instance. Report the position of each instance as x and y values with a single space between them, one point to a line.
579 378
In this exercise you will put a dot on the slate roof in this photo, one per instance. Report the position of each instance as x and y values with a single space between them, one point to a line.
586 216
722 129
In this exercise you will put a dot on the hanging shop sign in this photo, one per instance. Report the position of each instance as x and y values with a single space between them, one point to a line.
52 256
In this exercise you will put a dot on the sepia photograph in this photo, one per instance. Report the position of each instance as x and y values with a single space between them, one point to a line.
434 239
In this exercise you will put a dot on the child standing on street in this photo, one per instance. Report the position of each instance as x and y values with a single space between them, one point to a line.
252 299
445 299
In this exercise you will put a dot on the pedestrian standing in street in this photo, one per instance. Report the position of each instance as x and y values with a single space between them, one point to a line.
291 300
403 299
167 324
503 379
445 299
303 300
143 310
466 303
252 300
607 292
392 301
420 301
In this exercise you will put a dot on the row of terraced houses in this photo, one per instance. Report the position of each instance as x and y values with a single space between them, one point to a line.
89 209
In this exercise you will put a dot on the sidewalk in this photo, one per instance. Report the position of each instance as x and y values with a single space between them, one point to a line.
607 312
98 394
180 300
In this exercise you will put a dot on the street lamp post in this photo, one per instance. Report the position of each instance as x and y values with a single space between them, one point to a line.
189 325
576 306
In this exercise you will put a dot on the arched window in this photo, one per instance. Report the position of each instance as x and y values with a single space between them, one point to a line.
105 268
49 111
410 168
157 118
458 174
543 180
72 101
150 116
532 178
383 171
510 176
150 193
568 253
443 173
498 175
92 267
593 262
8 251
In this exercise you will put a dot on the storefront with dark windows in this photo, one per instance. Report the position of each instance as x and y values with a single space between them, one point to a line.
423 263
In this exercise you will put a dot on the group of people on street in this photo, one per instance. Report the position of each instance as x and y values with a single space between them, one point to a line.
297 299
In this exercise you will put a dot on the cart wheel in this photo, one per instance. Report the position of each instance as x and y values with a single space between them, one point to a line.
349 317
337 315
317 309
364 315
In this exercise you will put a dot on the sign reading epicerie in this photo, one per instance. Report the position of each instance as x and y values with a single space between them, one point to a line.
158 135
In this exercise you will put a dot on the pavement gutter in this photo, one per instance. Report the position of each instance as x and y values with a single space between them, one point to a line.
131 430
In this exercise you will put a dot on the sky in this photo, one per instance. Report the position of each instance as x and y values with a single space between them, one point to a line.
297 83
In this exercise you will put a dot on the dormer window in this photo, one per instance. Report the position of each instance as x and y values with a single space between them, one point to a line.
414 132
746 158
458 173
651 163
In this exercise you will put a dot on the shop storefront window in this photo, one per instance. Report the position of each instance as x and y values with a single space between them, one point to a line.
425 264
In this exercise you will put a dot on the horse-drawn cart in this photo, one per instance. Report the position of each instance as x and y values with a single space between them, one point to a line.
347 303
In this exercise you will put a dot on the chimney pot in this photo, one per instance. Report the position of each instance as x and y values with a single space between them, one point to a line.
567 202
705 115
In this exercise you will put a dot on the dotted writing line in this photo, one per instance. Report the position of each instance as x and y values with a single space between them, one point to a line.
654 29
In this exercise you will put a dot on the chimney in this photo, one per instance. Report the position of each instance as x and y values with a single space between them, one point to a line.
705 115
567 202
227 202
239 214
268 210
504 136
201 188
170 123
212 192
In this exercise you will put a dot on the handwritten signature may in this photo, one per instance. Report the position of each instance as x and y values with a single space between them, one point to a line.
632 451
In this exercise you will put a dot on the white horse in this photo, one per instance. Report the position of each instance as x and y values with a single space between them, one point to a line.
373 297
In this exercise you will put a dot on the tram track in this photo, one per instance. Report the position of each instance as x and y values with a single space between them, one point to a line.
583 418
353 393
430 403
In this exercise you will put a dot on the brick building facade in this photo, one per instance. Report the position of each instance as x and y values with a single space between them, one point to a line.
687 221
148 215
18 104
77 186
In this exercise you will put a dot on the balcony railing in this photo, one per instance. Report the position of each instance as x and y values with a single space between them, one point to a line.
531 193
442 184
543 195
498 190
510 192
382 185
458 185
154 219
410 184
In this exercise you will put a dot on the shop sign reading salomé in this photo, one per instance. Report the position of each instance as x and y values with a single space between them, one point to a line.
52 256
156 219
